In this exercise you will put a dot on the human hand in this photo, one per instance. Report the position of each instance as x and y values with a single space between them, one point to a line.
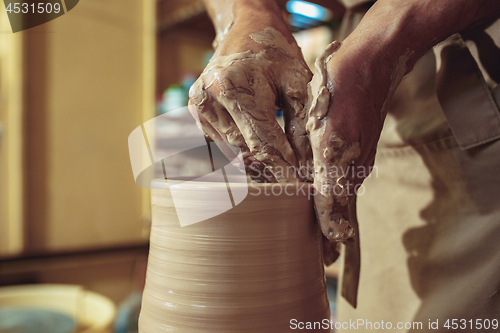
348 96
253 72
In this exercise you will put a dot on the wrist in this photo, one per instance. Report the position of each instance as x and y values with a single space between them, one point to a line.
387 34
365 70
256 15
249 18
396 29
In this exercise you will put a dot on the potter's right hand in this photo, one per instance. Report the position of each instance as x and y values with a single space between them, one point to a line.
257 67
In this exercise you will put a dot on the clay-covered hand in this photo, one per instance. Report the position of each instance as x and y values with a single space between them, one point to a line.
352 89
253 72
347 99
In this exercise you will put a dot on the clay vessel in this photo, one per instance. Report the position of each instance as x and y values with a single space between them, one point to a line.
254 268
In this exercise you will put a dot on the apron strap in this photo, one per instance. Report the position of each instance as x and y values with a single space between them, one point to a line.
352 261
466 99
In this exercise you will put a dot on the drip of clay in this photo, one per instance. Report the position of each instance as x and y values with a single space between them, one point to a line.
332 157
250 269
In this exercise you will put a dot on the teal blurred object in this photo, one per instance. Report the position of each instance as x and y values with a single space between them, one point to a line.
128 314
331 285
23 320
175 98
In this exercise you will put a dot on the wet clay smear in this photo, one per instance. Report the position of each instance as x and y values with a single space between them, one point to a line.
331 157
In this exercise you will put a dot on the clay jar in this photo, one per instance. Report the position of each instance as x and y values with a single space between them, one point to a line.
254 268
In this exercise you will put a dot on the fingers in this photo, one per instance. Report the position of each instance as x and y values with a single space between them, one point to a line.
331 251
218 125
250 100
332 156
215 120
334 185
202 122
237 95
339 173
295 116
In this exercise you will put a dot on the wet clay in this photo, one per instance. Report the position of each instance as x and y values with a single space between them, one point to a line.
237 96
224 22
332 155
294 95
250 269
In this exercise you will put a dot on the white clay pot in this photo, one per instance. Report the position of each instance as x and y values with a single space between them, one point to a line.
255 268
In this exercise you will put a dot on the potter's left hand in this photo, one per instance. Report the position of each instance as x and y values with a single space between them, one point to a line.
346 106
354 83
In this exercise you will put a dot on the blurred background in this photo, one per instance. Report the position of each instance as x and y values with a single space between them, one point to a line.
71 91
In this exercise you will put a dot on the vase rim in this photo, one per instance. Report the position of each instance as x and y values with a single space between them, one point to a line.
159 183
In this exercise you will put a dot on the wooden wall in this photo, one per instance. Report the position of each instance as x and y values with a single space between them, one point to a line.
11 139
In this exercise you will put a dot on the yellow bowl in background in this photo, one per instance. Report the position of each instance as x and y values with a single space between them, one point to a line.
93 313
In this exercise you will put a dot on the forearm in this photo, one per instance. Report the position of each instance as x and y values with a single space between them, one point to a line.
397 28
245 16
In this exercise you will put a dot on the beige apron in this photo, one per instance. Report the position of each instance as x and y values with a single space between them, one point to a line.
429 219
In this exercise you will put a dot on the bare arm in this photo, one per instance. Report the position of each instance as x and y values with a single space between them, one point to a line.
243 17
400 26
